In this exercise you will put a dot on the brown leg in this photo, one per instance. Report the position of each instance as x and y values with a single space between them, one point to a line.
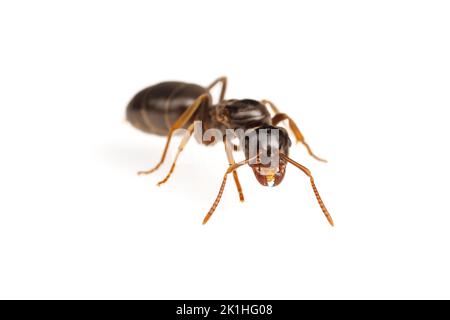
278 117
229 152
311 179
271 105
298 135
180 148
222 187
185 117
222 80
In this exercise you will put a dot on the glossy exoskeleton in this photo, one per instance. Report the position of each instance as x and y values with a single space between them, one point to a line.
166 107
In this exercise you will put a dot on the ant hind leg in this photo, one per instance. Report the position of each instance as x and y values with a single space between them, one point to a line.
182 120
180 148
223 81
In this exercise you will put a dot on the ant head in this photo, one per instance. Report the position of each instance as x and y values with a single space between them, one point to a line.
263 146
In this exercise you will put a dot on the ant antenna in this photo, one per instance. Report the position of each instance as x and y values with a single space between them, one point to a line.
311 179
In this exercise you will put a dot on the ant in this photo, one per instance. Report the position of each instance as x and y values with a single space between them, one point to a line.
168 106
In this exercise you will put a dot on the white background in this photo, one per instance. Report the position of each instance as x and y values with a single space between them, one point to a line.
367 82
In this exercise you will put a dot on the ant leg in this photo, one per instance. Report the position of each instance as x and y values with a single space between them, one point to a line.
298 135
231 162
278 117
222 80
271 105
313 185
185 117
231 168
180 148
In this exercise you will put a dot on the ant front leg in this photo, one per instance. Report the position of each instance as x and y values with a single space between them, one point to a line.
278 117
229 151
230 169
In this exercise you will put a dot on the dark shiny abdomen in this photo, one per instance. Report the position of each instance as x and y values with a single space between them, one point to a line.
156 108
